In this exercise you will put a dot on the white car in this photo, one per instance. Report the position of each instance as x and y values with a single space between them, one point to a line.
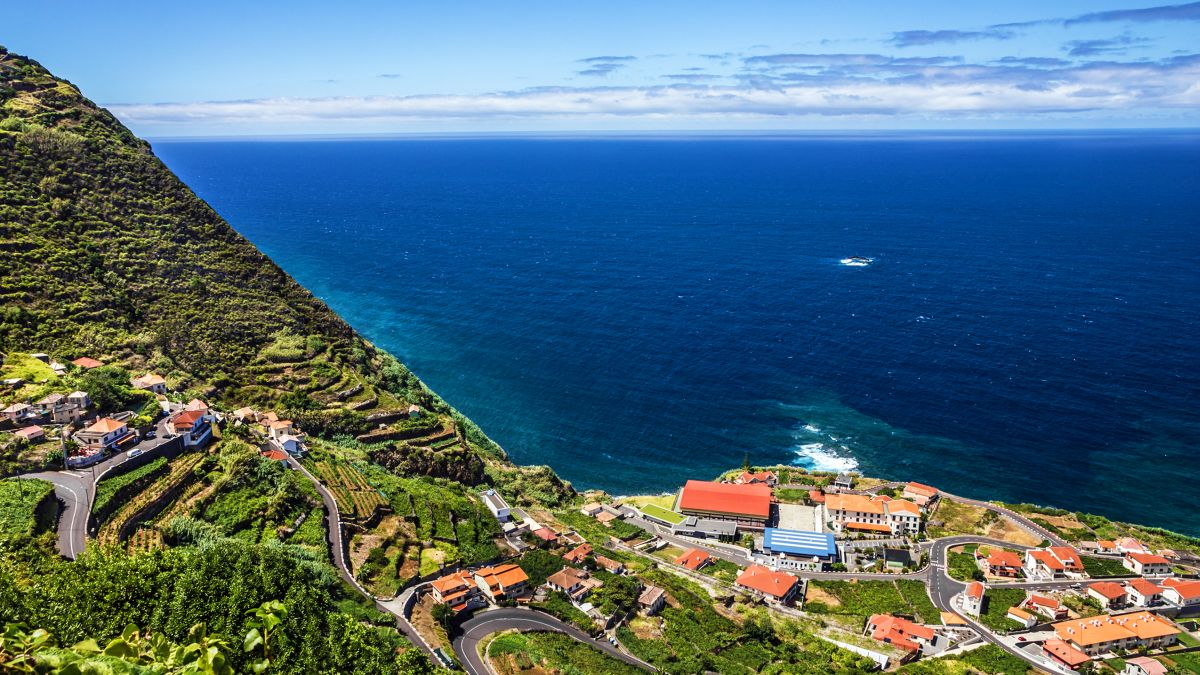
135 453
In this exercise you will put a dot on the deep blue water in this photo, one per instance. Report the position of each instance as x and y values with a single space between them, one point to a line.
635 312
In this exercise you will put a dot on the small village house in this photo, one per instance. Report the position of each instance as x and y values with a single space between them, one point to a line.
651 600
18 412
1025 618
1001 563
1182 592
578 554
151 382
1143 593
501 582
61 409
104 434
496 504
591 509
86 363
764 477
694 559
778 586
1147 564
920 494
1130 545
576 583
193 427
1046 606
972 598
613 566
1055 562
31 434
900 633
458 590
79 399
1109 594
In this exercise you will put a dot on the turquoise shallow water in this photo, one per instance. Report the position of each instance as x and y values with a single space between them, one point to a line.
635 312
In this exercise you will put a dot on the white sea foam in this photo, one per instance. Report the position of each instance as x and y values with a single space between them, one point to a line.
820 457
812 428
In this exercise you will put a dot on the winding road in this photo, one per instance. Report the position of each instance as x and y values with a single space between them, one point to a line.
483 624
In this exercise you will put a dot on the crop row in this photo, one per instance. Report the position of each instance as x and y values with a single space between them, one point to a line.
179 470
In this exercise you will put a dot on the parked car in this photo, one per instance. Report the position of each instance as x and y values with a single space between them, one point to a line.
134 453
150 434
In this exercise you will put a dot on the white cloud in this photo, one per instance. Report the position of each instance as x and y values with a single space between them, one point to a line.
941 91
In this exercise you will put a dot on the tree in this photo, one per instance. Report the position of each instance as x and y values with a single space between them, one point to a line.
108 387
442 614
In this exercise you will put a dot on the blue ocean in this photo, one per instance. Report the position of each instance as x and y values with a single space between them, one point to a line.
636 311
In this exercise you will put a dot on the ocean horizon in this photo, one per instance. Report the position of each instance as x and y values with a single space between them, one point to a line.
635 312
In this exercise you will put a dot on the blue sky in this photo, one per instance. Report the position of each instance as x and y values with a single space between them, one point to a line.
260 68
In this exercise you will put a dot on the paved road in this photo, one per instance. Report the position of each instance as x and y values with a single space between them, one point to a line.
486 623
942 590
394 607
76 489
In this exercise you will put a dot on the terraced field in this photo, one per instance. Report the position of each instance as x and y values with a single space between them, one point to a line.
180 469
355 497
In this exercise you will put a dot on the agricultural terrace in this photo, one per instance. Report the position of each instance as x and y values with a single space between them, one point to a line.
904 597
179 471
356 499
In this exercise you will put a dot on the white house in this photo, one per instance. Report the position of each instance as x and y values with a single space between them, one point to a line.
1143 593
1026 619
194 427
972 598
1147 564
1185 593
18 412
873 514
80 399
496 504
290 444
103 434
151 382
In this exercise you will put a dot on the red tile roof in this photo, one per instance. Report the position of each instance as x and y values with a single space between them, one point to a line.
921 489
1145 588
1043 601
1068 556
87 362
1148 558
276 455
817 496
694 559
975 590
577 554
186 419
899 632
545 534
752 500
765 580
105 425
1002 558
1065 653
1108 589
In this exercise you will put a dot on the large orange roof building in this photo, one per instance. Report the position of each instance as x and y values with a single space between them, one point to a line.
729 501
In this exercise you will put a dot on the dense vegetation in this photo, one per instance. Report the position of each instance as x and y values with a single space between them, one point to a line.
25 510
512 653
904 597
101 593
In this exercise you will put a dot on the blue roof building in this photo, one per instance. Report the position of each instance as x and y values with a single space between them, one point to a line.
799 543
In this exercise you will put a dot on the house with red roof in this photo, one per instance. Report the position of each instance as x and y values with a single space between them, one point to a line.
1143 665
545 534
1026 618
877 514
86 363
748 505
194 427
694 559
900 633
920 494
1130 545
104 434
1143 593
578 554
501 582
31 433
778 586
458 590
1000 563
151 382
1182 592
972 598
1111 595
1147 564
1048 607
1055 562
576 583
